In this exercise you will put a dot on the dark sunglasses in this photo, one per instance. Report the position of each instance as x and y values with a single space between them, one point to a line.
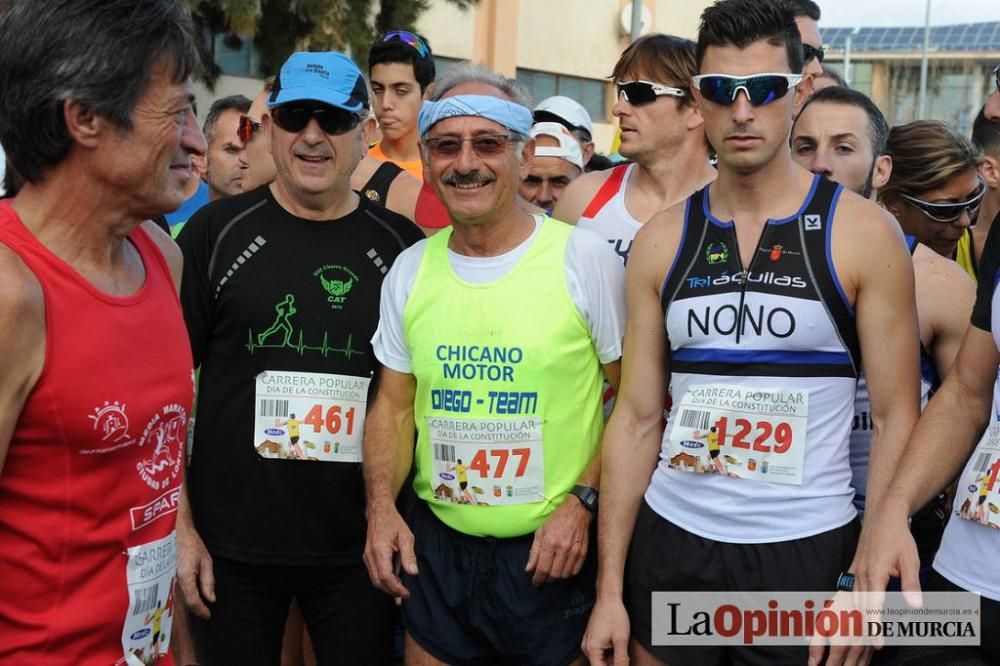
295 117
996 74
948 211
246 128
638 93
409 39
810 52
760 89
484 145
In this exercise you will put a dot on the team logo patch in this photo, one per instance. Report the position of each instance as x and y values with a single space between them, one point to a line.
813 222
337 282
716 253
162 442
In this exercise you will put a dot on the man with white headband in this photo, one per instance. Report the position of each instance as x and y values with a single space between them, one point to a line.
558 162
495 337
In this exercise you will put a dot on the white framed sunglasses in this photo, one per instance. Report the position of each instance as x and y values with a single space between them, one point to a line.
641 92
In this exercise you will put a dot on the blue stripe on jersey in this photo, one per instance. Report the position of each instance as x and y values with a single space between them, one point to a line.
829 251
677 255
695 355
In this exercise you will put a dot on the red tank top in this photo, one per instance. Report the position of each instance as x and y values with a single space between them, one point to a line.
430 213
90 487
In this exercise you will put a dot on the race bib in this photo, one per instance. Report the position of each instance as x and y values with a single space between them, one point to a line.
488 462
150 575
310 416
747 433
979 488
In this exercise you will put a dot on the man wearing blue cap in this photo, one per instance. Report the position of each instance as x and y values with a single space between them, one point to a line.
495 336
265 522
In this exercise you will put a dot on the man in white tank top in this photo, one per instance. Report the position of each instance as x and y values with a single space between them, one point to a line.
755 300
661 133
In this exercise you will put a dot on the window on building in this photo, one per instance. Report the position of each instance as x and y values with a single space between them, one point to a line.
441 63
591 93
861 77
236 56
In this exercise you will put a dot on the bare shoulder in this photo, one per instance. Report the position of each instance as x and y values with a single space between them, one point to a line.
941 281
22 318
363 172
577 196
658 241
861 221
929 264
166 245
403 193
867 245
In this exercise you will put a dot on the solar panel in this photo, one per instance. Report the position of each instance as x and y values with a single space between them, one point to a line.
960 37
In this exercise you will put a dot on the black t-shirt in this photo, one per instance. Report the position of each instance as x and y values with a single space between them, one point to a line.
989 263
258 294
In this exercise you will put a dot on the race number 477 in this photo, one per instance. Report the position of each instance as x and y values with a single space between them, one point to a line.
481 461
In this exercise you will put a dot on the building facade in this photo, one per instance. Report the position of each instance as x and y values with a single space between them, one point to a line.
884 63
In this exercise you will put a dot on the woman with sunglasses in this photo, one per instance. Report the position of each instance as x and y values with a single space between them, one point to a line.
934 190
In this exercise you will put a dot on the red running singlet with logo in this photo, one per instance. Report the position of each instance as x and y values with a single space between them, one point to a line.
91 484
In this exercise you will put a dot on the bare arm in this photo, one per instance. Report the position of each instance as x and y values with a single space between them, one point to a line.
632 438
388 443
22 330
388 455
937 450
941 443
195 570
888 333
945 296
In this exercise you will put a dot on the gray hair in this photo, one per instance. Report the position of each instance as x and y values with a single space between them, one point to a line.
469 72
100 53
232 103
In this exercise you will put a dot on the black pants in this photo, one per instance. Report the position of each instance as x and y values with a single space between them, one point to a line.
349 621
987 654
664 557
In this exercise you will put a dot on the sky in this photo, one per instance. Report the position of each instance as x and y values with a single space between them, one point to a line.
873 13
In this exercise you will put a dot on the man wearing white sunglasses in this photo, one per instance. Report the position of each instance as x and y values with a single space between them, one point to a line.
753 301
661 133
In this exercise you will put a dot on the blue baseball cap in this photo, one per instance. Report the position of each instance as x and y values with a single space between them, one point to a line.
328 77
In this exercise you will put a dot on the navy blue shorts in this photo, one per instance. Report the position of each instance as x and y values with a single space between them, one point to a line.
664 557
473 603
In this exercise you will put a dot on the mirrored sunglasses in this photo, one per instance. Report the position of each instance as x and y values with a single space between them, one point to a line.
245 130
760 89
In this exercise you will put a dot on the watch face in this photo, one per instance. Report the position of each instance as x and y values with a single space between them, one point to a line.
588 496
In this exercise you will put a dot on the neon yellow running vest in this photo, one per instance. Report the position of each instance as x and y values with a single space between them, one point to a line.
513 348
